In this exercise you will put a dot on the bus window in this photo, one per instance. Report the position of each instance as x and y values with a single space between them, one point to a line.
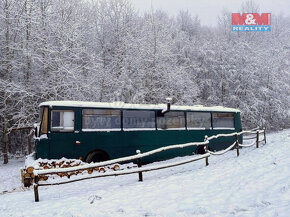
44 120
170 120
198 120
101 119
223 120
62 121
134 119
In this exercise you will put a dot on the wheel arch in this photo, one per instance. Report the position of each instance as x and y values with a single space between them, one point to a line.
97 151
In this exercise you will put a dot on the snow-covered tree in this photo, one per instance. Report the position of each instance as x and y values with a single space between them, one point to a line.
104 50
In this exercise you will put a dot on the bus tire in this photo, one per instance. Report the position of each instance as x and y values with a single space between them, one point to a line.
200 149
97 156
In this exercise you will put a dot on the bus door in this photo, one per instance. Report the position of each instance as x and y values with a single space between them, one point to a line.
62 135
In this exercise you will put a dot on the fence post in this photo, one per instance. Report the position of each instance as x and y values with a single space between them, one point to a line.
257 139
265 135
237 145
29 141
35 187
139 163
206 149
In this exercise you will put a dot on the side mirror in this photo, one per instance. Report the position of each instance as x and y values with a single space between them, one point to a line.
35 132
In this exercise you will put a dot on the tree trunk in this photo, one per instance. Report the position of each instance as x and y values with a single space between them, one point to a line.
27 29
7 42
5 154
5 141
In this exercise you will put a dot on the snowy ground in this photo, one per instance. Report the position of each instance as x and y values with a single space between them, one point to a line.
255 184
10 175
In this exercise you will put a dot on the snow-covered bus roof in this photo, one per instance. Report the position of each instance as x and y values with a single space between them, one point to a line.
122 105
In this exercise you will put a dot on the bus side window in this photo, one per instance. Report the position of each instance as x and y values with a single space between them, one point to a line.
62 121
198 120
223 120
44 121
134 119
170 120
101 119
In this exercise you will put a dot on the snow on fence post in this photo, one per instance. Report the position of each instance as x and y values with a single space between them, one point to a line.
265 135
257 139
35 187
206 149
237 145
139 163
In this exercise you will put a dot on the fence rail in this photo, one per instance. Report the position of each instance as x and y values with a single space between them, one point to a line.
140 155
249 138
132 171
119 160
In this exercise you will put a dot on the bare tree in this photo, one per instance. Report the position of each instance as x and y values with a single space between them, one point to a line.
105 51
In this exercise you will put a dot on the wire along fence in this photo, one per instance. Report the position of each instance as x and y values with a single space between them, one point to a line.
140 170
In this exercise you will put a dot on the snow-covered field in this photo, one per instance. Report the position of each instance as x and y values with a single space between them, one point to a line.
257 183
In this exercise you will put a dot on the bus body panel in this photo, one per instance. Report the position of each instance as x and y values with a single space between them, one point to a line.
42 148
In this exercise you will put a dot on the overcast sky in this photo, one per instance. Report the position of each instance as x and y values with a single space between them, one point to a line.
208 10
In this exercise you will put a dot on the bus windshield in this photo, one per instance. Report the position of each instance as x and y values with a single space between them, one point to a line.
44 120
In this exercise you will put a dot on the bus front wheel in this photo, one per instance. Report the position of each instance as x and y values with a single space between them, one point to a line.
97 156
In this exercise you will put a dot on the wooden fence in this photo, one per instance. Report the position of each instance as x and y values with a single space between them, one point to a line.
140 170
7 138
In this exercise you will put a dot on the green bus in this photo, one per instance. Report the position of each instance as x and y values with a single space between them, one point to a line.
97 131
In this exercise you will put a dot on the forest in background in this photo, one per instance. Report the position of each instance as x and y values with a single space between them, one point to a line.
105 50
